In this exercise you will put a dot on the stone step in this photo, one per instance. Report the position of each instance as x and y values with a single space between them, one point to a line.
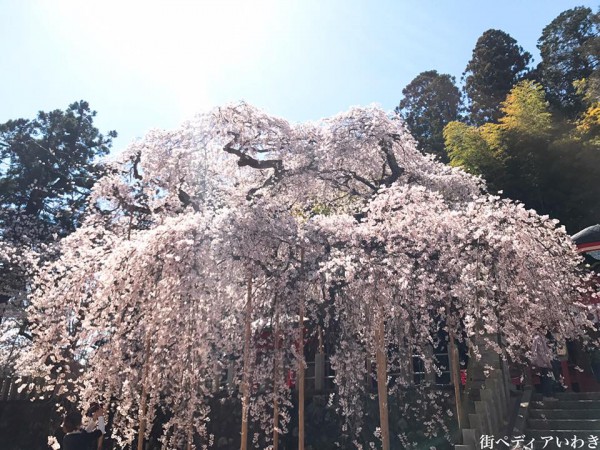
565 404
570 396
564 424
543 446
561 434
565 413
552 445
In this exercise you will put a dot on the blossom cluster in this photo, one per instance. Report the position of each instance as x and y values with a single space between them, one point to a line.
239 220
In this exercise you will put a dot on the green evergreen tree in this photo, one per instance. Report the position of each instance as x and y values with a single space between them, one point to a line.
431 100
497 64
570 50
47 167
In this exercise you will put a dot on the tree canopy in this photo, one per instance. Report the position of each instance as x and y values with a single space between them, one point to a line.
253 222
533 157
535 148
569 49
497 63
49 165
431 100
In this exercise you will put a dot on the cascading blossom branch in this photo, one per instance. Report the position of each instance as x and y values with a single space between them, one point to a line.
239 224
485 270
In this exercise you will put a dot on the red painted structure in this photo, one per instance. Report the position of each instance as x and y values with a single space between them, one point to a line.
575 366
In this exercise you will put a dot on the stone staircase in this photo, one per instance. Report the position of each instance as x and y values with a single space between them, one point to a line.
574 417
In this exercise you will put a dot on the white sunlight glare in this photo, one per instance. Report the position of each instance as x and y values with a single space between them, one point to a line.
183 47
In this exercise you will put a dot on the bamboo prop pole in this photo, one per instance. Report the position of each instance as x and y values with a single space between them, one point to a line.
321 350
455 365
301 365
246 369
101 438
381 359
100 442
190 432
275 382
144 400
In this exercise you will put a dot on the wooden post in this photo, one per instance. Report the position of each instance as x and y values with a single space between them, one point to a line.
217 377
5 388
564 368
230 373
381 359
246 369
429 356
456 381
301 364
275 382
144 400
320 363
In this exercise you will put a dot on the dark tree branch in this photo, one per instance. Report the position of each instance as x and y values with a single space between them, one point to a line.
362 180
131 207
247 160
136 161
186 200
235 148
397 171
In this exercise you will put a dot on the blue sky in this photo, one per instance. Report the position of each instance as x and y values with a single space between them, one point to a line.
151 64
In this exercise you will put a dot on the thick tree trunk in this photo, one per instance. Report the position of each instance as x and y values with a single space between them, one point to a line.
144 400
381 360
246 368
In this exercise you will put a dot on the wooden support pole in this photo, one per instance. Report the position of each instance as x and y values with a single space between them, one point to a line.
246 368
456 381
381 359
564 369
301 379
301 364
276 381
320 363
144 400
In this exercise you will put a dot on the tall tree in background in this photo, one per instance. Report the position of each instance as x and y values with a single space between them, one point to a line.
472 149
533 157
511 154
524 135
588 123
48 166
431 100
497 64
568 46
